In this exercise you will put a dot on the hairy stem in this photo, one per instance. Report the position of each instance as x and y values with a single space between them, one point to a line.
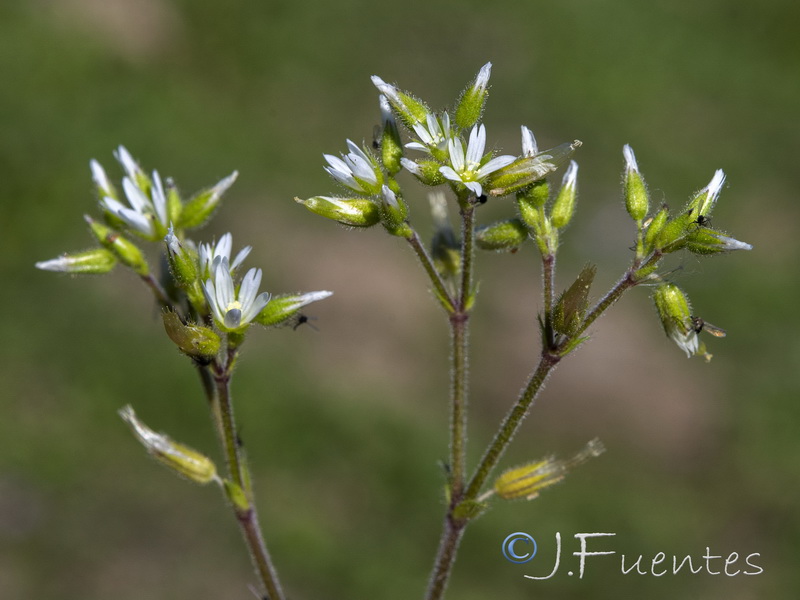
239 473
445 557
430 269
511 423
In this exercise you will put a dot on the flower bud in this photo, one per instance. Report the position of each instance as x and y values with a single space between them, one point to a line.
703 201
531 201
410 109
182 260
125 250
194 340
470 105
200 208
654 229
96 262
676 317
426 171
564 205
284 309
174 202
528 480
704 240
355 212
637 201
394 212
181 459
506 235
391 146
527 170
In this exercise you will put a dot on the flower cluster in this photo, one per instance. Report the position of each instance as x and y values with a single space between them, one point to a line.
454 147
205 286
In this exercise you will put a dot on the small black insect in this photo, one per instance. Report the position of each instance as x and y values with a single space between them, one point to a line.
699 325
701 220
301 319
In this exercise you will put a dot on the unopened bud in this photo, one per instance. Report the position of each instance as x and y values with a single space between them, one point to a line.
394 212
426 171
96 262
409 109
179 458
675 313
200 208
285 308
355 212
182 260
637 201
708 241
527 170
391 146
654 229
470 105
125 250
564 205
702 203
505 235
194 340
528 480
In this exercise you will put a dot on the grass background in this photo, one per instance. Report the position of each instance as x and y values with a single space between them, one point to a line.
344 425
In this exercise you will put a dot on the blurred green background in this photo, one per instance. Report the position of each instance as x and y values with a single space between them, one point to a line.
344 426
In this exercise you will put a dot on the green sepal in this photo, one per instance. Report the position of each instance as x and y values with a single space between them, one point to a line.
466 510
96 261
470 105
506 235
672 236
126 251
564 205
196 341
428 173
654 229
174 203
355 212
637 201
199 209
527 170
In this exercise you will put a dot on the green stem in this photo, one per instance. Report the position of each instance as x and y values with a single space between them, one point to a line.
430 269
445 557
626 282
453 528
161 296
549 293
239 473
511 423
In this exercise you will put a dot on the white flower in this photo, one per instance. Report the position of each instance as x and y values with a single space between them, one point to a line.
222 249
354 170
686 339
233 310
432 134
630 159
709 194
466 165
147 213
529 145
482 80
